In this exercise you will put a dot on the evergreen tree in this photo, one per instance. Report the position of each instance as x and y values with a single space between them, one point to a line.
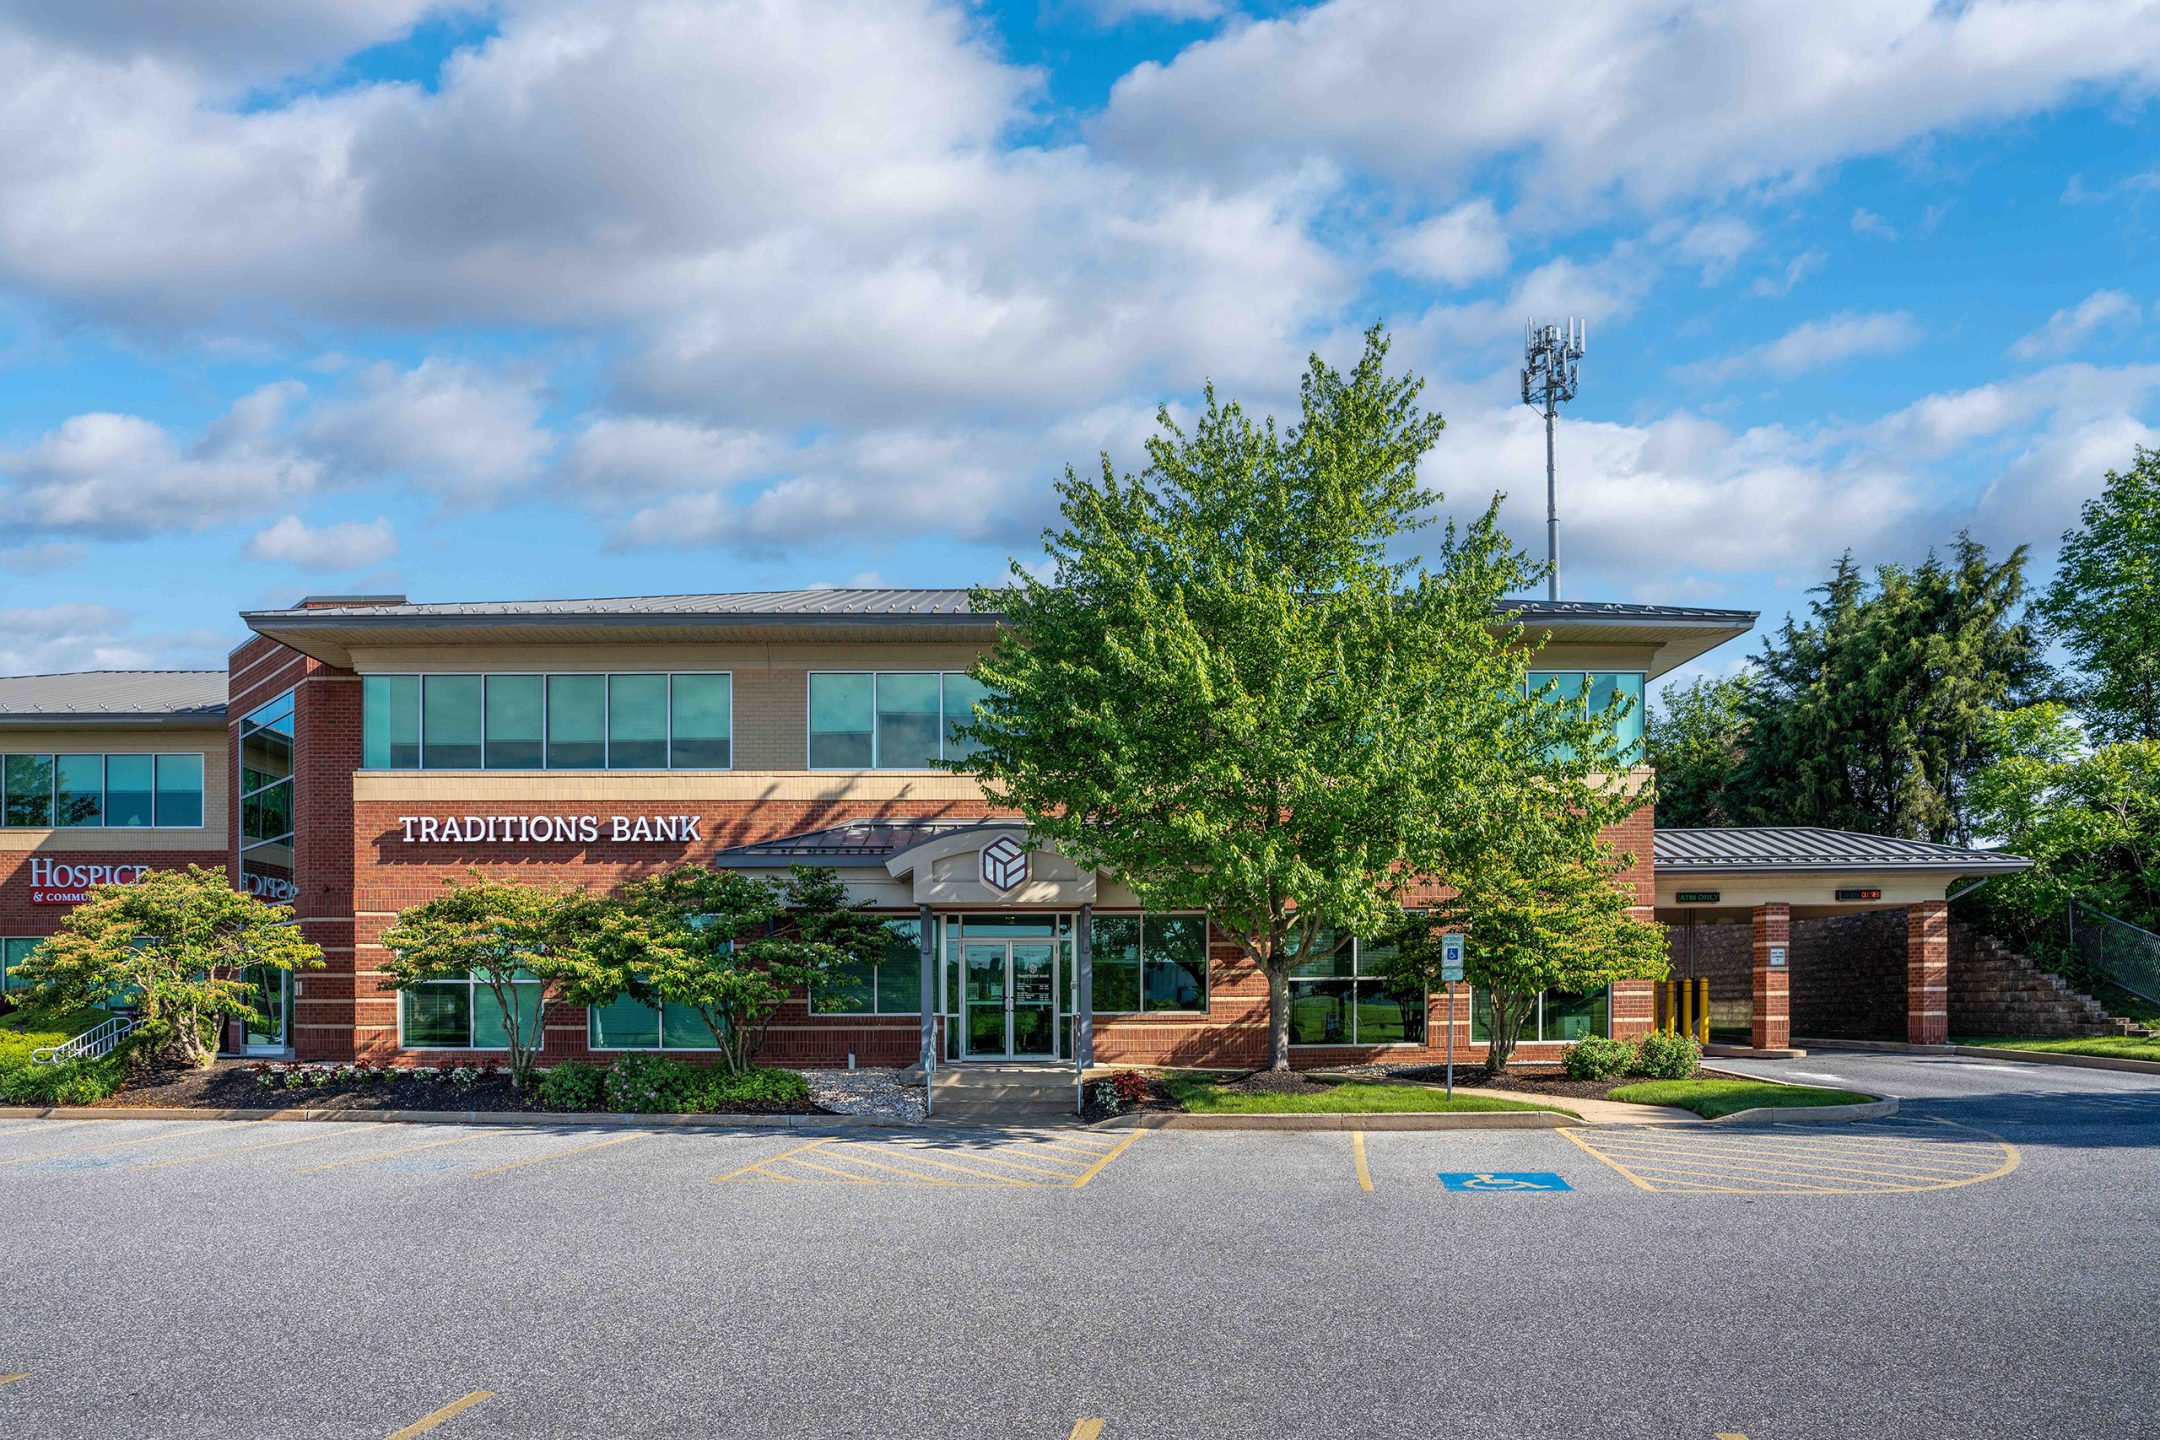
1697 740
2105 604
1873 713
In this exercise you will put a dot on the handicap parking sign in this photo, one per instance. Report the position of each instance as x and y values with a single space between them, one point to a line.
1500 1181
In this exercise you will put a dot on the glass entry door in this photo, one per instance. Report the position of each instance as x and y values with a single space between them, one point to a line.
1009 999
273 999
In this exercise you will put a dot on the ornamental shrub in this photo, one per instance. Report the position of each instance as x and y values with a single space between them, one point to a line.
754 1087
651 1084
573 1086
1667 1057
1598 1057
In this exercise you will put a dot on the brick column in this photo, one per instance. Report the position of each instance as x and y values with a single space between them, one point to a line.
1927 973
1772 924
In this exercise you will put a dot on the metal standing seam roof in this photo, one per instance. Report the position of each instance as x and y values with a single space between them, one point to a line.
1805 847
113 696
868 840
911 603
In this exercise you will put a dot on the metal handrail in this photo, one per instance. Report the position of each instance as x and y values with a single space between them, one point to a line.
2127 954
93 1044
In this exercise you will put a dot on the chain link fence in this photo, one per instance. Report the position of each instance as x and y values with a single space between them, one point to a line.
2116 949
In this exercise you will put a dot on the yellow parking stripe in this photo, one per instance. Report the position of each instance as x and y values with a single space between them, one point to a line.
1357 1150
11 1379
1097 1167
429 1421
773 1159
560 1154
1946 1159
862 1179
232 1150
1085 1430
989 1158
1088 1150
107 1144
1647 1157
854 1159
385 1154
963 1169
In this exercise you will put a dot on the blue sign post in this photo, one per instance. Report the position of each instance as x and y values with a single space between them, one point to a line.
1494 1182
1451 953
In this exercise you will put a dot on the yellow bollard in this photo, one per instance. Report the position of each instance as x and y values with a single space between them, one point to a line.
1702 1011
1687 1007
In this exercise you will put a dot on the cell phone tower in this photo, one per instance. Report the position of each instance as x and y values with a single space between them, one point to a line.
1552 364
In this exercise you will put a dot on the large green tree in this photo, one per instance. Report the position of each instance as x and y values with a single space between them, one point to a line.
176 945
2104 604
1697 740
1537 916
2088 817
520 942
1872 714
726 946
1230 692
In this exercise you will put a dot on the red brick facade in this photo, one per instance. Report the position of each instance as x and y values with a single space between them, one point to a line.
355 869
1927 973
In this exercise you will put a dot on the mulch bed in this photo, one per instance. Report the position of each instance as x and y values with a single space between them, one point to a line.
231 1085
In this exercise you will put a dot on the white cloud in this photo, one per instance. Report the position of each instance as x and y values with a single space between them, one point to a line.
622 455
1461 245
53 639
1819 343
1111 12
1867 222
448 427
228 40
2070 327
1806 263
348 545
37 559
120 476
1716 245
1657 97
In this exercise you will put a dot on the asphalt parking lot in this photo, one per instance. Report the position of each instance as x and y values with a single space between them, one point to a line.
1975 1266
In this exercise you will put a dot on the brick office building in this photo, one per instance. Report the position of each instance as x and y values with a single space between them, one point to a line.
362 751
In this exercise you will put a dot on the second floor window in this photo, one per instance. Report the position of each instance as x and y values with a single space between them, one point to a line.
660 721
1593 691
136 792
888 720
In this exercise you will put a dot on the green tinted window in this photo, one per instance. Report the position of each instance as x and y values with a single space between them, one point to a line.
12 953
1628 731
516 706
437 1016
909 732
682 1028
625 1023
488 1032
1114 958
1174 951
961 697
28 785
390 722
848 989
899 978
79 790
637 722
576 722
450 722
841 717
129 782
702 722
180 790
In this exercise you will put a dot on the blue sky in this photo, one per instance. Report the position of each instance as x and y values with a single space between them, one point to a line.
515 300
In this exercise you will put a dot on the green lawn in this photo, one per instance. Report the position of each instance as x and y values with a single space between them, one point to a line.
22 1031
1712 1098
2114 1047
1206 1095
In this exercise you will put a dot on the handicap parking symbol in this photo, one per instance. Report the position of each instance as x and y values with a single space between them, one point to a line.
1498 1181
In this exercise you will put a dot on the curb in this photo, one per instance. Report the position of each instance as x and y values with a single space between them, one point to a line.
1378 1120
1990 1052
575 1120
1875 1109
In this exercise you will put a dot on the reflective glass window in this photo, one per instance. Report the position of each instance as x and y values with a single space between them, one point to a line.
841 719
390 722
130 781
516 714
576 722
79 790
637 722
701 722
450 722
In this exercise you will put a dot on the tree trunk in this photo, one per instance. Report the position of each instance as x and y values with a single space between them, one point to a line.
1278 996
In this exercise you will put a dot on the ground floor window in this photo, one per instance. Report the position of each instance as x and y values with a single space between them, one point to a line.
13 952
1340 999
462 1014
1149 962
891 986
628 1023
1556 1016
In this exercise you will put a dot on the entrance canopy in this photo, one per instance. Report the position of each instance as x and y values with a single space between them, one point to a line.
1726 873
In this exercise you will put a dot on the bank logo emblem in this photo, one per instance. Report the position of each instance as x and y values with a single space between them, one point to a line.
1004 863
